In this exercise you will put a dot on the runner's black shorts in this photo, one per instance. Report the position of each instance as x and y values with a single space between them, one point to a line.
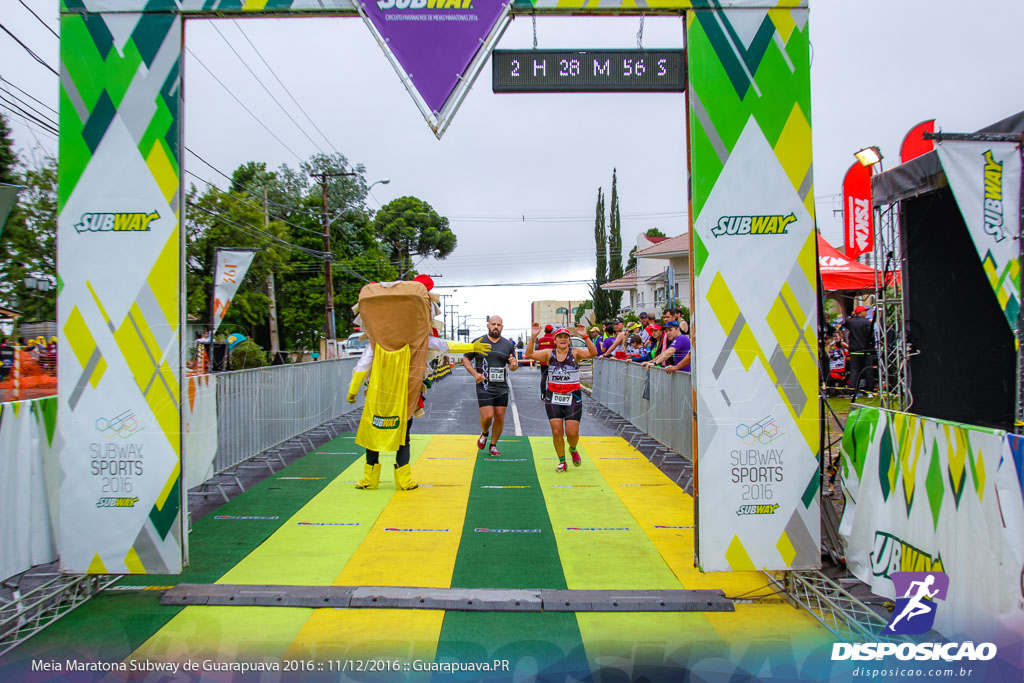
492 396
574 411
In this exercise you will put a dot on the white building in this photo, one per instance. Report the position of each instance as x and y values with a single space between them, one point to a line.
661 278
558 313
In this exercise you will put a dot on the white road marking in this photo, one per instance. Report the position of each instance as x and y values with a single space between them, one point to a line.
515 411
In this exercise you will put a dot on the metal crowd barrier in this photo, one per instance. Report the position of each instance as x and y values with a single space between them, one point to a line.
260 408
666 413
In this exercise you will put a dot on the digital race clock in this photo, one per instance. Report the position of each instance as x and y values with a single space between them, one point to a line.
588 70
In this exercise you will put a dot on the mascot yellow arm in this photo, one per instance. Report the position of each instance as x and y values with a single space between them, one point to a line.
357 381
465 347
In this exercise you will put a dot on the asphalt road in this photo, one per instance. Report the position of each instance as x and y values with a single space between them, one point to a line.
451 407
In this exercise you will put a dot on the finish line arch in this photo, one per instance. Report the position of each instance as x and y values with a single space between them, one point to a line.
121 274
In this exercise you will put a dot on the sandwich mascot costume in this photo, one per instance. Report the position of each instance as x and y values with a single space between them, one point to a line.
397 319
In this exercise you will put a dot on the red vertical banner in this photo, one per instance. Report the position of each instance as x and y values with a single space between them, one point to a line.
914 144
858 227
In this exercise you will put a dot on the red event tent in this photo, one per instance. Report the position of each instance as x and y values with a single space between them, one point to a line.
841 273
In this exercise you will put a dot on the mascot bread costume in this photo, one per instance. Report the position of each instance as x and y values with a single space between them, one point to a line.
397 319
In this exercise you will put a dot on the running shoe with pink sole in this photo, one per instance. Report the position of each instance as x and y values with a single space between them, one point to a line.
494 451
561 467
576 459
481 442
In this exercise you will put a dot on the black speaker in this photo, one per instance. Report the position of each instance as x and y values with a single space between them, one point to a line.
218 354
965 366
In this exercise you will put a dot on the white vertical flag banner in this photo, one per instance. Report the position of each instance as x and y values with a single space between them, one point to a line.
985 178
232 265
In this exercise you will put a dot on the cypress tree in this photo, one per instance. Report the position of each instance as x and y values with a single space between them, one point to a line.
615 245
602 302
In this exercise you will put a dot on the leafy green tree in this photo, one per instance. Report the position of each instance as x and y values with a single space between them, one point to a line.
581 309
615 244
247 355
28 242
230 220
411 227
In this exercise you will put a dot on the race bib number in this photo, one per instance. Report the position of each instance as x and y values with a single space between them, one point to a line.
496 374
561 399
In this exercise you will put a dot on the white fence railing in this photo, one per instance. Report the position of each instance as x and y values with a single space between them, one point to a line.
261 408
229 417
654 401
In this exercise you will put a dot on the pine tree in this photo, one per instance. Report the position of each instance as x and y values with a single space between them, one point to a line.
615 245
8 158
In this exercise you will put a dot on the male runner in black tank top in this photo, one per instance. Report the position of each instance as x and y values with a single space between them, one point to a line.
490 371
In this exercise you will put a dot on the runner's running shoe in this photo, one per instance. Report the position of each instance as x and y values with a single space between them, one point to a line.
561 467
494 451
481 442
576 459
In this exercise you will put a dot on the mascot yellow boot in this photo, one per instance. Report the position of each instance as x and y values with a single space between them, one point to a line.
397 319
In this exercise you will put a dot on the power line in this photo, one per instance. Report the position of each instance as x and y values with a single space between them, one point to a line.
262 234
40 20
265 88
29 50
28 107
26 119
249 189
515 284
15 108
524 218
232 180
27 95
258 233
255 118
269 68
254 206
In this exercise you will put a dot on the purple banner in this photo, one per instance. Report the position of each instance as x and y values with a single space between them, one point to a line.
434 40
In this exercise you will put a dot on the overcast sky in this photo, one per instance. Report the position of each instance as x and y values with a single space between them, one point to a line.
516 174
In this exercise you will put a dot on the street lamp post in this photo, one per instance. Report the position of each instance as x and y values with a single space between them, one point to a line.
39 284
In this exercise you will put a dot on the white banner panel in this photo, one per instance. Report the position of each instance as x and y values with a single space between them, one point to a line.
985 178
200 440
928 495
755 311
230 270
28 482
119 305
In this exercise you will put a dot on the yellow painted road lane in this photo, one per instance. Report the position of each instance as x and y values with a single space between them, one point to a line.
225 634
424 556
617 554
316 543
582 499
293 555
654 501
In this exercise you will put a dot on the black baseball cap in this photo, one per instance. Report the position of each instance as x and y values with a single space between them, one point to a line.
644 315
618 320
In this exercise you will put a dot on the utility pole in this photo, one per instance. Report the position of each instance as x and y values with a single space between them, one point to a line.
444 308
328 278
454 315
275 342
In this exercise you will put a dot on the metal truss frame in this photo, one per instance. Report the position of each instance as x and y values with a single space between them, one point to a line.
894 351
845 616
27 614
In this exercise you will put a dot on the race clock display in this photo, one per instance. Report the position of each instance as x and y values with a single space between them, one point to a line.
588 70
